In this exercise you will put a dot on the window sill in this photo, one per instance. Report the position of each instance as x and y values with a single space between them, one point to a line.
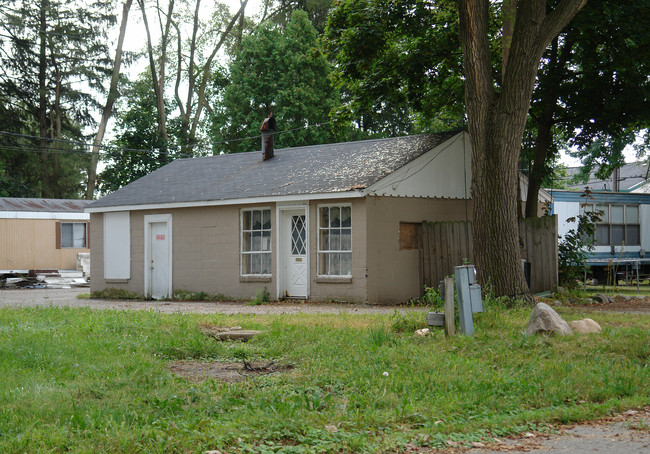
116 281
333 279
254 278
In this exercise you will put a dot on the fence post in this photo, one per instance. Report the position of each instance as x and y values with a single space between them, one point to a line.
450 316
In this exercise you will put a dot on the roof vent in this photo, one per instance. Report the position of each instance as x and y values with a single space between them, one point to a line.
268 130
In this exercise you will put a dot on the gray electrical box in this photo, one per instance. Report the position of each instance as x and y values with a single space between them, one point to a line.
469 297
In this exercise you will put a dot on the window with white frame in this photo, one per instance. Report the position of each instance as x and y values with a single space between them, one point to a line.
256 242
618 224
73 235
335 240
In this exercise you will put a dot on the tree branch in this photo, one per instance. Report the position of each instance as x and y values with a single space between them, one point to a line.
557 20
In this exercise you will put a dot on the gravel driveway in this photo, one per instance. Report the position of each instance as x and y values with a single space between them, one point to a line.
68 298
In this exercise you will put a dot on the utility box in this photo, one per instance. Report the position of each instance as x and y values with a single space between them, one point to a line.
475 298
469 297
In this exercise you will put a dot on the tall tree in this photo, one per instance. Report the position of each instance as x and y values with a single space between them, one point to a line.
138 142
54 60
317 11
110 100
398 64
497 119
593 89
194 58
283 70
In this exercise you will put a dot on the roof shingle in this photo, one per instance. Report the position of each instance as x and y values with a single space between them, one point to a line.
316 169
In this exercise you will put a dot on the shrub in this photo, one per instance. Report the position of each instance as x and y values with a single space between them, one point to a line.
574 248
261 297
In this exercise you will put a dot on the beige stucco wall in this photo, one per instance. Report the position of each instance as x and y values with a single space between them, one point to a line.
394 275
205 252
340 289
30 244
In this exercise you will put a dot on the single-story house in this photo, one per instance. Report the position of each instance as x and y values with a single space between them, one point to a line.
320 222
42 234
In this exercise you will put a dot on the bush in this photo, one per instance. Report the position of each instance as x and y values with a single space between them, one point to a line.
574 248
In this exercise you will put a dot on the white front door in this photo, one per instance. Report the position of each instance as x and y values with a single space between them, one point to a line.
296 254
158 257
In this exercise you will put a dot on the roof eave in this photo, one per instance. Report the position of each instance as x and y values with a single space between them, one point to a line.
239 201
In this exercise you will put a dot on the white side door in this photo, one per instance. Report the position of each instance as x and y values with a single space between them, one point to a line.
158 269
295 250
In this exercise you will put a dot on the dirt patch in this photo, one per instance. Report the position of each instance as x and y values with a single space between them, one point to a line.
198 371
634 305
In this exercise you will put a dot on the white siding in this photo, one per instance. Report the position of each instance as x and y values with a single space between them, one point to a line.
564 211
443 172
117 245
644 219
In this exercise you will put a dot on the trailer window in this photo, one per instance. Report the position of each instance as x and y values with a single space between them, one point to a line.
618 225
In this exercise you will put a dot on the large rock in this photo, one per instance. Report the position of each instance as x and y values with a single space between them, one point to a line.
545 320
600 298
585 326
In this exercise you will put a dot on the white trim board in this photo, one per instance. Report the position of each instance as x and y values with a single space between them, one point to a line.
44 215
148 220
246 201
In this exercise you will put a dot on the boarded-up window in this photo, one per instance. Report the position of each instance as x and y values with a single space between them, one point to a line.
410 235
117 245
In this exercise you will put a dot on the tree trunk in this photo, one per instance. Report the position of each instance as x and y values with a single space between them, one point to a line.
546 121
113 94
57 190
496 125
159 82
207 73
42 102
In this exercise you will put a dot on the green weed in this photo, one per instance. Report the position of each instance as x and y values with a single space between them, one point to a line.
186 295
261 297
82 380
116 294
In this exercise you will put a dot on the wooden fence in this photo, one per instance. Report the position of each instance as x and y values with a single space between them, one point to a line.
449 244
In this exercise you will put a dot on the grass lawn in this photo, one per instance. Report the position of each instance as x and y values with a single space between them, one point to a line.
81 380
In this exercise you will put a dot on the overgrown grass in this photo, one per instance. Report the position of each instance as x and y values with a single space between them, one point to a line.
116 294
81 380
187 295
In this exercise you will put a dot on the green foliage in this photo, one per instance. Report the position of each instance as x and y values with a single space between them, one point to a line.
49 47
186 295
433 299
116 294
317 11
137 129
87 380
261 297
593 88
281 70
408 322
398 64
573 249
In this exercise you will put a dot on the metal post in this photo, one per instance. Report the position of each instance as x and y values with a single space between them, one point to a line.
464 301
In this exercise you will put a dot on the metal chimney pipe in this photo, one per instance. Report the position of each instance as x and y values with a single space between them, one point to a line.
268 131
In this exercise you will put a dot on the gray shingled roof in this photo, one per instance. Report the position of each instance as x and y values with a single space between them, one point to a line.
631 174
43 205
316 169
